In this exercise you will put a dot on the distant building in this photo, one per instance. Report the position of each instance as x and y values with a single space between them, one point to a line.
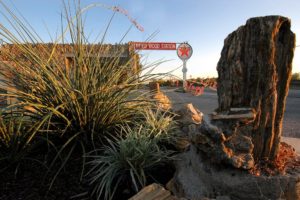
65 55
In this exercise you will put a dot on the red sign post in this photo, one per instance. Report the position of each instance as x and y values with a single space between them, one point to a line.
184 52
154 45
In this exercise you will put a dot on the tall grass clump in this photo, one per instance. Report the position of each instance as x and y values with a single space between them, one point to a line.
88 95
71 92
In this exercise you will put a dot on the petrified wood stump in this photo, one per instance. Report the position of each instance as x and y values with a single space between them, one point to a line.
254 71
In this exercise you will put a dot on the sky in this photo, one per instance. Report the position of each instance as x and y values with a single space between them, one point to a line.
204 24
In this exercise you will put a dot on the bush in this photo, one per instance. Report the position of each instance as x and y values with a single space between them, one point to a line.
74 107
126 158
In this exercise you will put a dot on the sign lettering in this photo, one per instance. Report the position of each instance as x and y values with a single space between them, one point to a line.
154 45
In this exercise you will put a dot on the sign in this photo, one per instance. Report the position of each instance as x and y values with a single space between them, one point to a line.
154 45
184 51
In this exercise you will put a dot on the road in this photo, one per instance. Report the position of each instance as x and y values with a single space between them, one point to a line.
208 102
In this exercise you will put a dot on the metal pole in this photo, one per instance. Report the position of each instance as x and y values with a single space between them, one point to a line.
184 70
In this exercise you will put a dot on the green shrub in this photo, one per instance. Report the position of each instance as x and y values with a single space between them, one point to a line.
130 158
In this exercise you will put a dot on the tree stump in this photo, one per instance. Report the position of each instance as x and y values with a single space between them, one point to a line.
255 71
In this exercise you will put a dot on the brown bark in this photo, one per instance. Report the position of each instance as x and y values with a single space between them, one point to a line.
255 71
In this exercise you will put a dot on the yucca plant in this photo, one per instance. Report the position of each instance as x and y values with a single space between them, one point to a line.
81 100
92 96
126 158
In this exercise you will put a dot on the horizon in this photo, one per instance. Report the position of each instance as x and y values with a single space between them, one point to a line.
204 25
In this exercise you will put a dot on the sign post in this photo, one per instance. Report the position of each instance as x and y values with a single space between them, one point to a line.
184 52
184 71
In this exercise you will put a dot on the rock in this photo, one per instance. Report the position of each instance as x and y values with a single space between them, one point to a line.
244 161
185 129
241 143
197 178
182 143
254 72
170 185
162 100
192 131
189 115
214 132
153 192
235 150
223 198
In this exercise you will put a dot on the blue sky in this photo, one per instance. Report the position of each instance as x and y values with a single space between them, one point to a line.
204 24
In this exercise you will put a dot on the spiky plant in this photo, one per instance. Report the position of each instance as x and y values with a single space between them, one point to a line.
81 100
130 158
160 124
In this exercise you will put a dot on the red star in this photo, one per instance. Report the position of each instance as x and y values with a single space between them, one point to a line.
184 51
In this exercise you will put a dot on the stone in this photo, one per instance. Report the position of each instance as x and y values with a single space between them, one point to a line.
244 161
254 72
209 139
197 178
182 143
185 129
153 192
223 198
162 100
209 129
189 115
192 131
241 143
170 185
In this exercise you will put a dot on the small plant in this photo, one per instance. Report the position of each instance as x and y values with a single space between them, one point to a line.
130 158
160 124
